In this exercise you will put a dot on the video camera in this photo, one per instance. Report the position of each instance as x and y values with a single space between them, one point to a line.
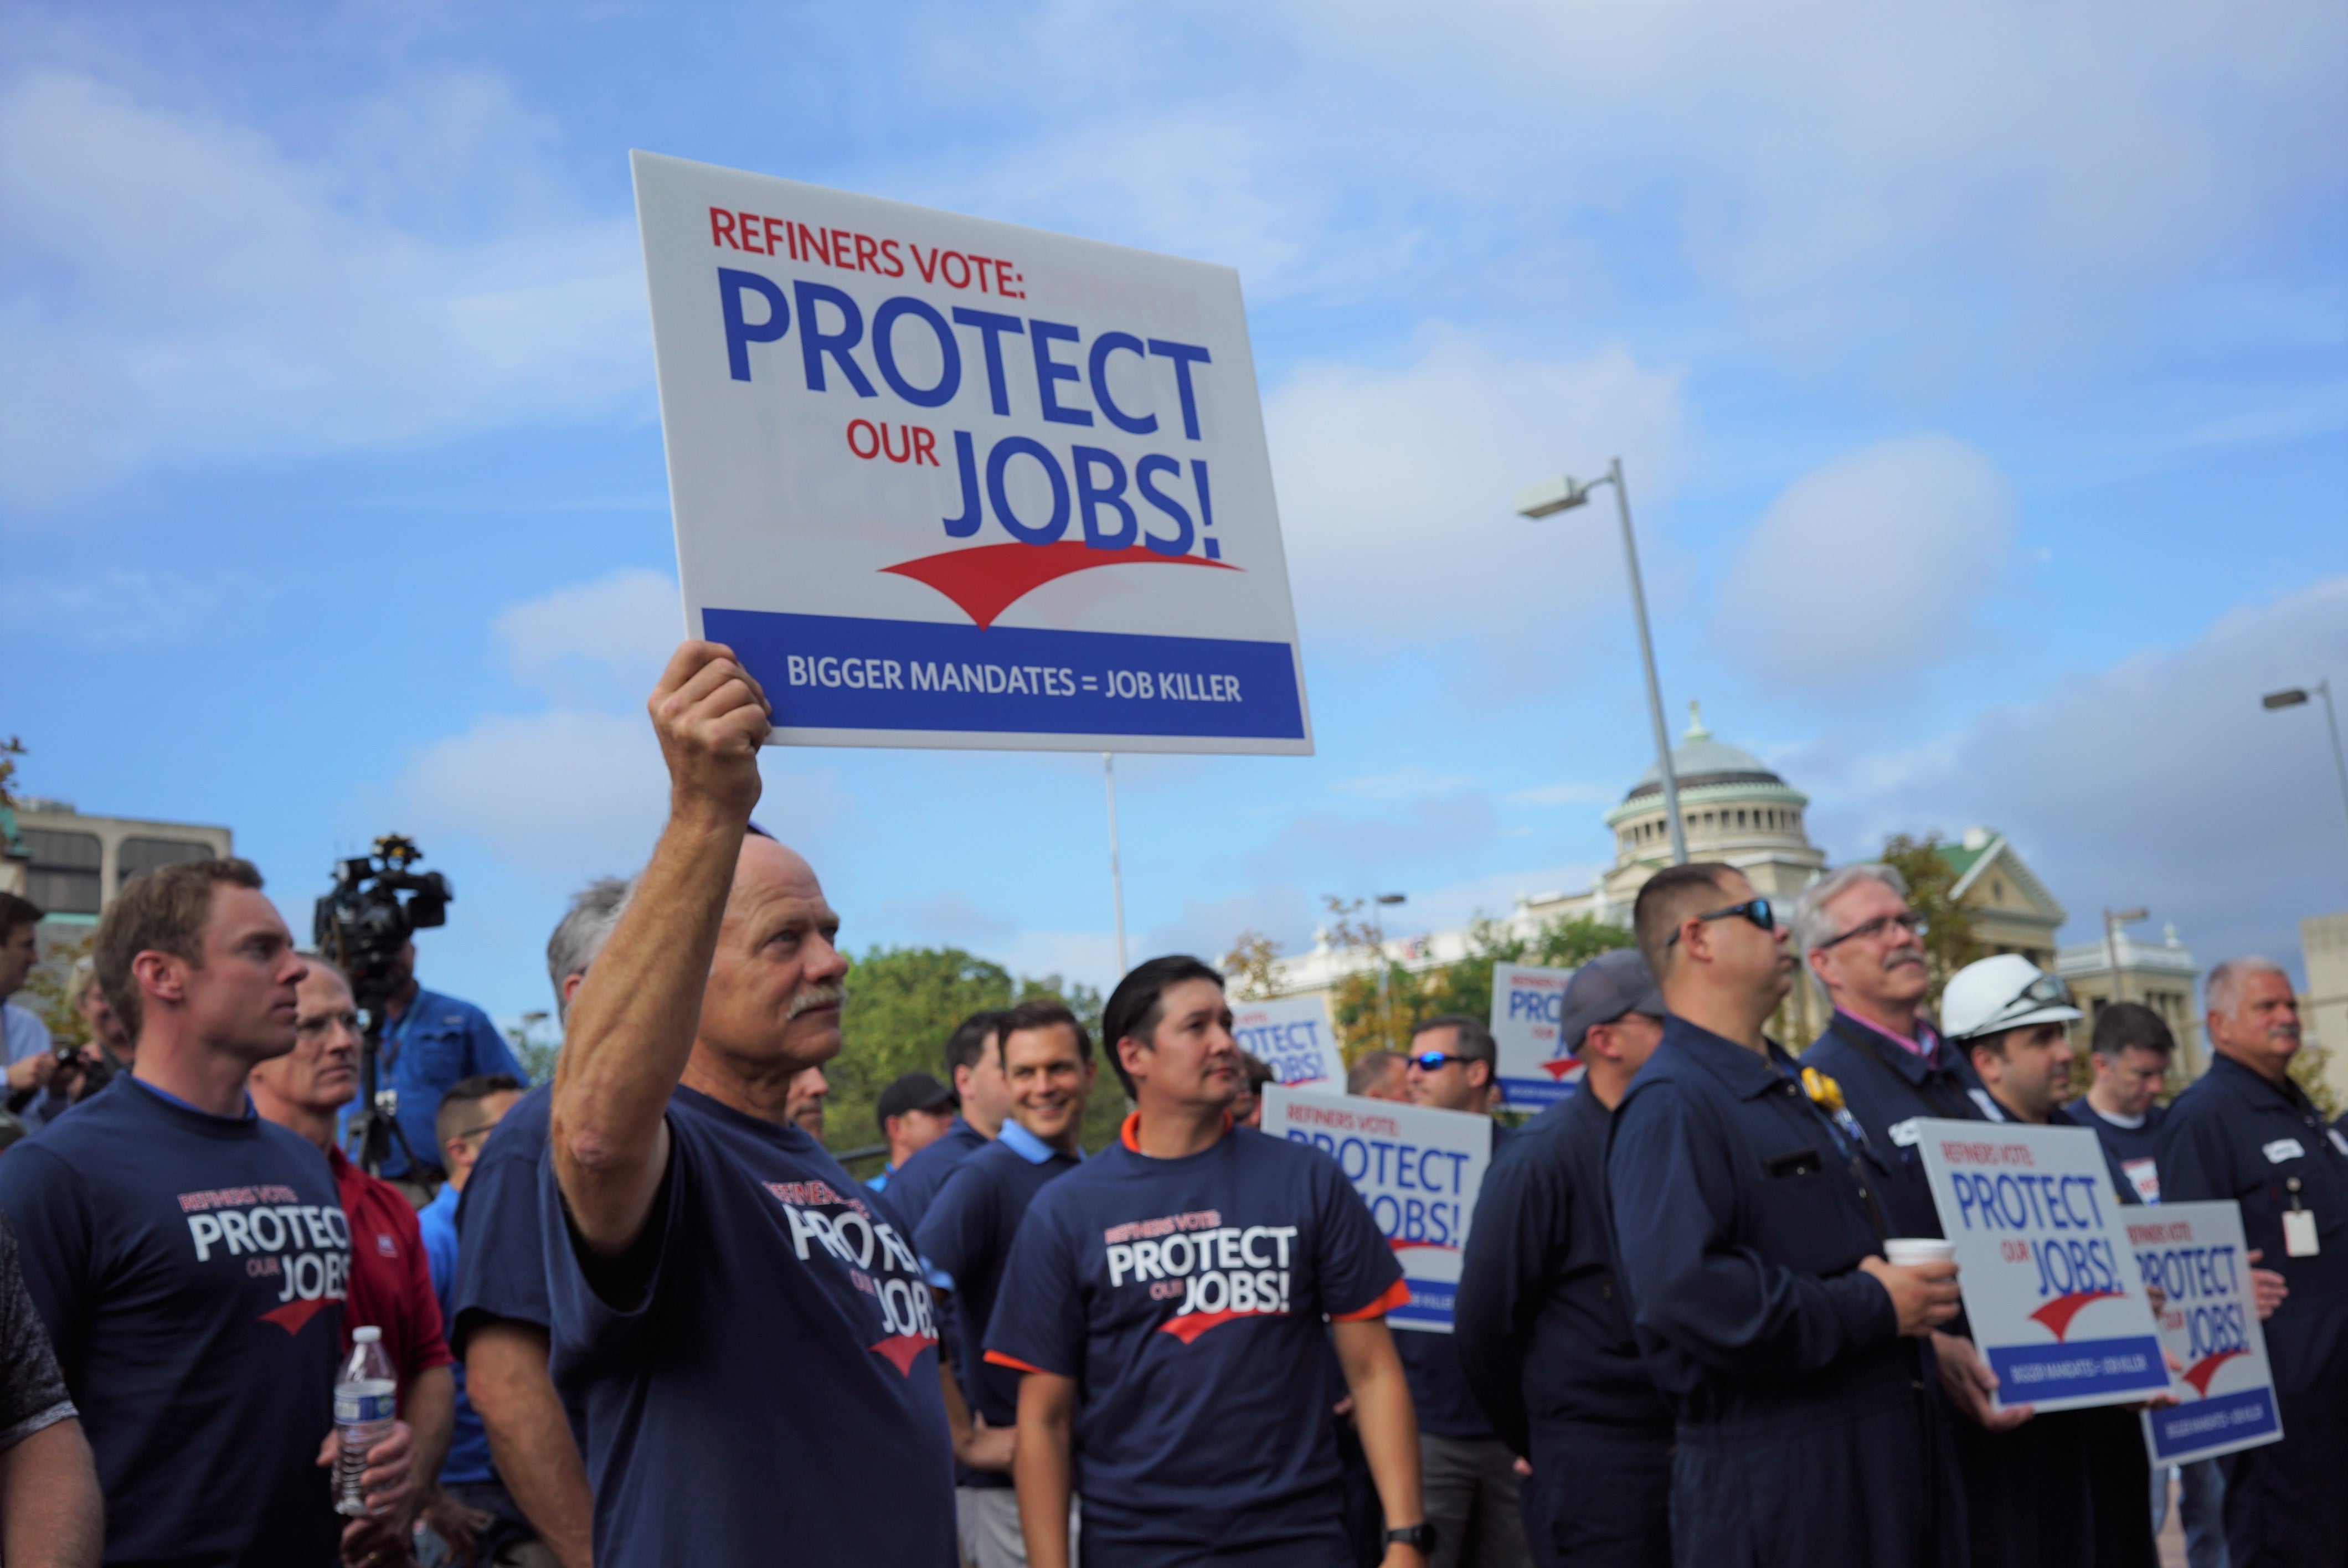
376 904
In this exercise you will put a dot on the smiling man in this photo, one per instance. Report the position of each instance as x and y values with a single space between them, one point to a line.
1166 1304
744 1331
965 1240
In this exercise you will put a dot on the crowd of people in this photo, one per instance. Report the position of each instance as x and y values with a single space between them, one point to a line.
639 1315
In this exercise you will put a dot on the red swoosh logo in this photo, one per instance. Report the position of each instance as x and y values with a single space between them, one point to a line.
900 1350
1191 1325
987 580
2201 1371
295 1314
1561 1066
2057 1314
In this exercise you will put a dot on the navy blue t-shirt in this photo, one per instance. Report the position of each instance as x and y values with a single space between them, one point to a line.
966 1236
769 1386
1188 1296
2131 1152
916 1183
500 1259
191 1270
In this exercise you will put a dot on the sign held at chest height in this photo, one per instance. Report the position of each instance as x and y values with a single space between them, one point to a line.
946 482
2055 1299
2209 1323
1418 1169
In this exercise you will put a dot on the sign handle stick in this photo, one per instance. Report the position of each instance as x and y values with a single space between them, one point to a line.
1116 876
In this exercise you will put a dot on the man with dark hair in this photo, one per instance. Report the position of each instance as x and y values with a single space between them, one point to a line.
1466 1474
498 1306
723 1293
1379 1075
190 1259
390 1280
30 1061
914 1113
1255 1076
1865 947
2129 1050
1541 1334
1748 1228
974 1066
965 1241
2246 1131
476 1518
1166 1301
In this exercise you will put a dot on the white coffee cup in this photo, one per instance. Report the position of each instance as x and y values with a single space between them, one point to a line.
1906 1251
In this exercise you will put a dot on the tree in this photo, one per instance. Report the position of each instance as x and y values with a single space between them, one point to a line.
2307 1070
1249 969
535 1046
49 990
1949 940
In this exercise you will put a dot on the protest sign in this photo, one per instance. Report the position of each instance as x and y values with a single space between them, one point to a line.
2057 1308
946 482
1419 1170
1293 1034
2209 1323
1536 1068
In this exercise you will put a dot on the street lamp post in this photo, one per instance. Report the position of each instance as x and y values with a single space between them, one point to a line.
2295 696
1551 496
1386 993
1116 874
2113 920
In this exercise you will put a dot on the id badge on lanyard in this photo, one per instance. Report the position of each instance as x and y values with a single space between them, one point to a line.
2299 1239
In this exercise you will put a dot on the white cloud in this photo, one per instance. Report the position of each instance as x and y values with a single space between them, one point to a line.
1867 568
624 627
2159 782
121 607
185 289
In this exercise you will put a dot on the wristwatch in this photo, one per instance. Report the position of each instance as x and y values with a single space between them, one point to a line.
1420 1535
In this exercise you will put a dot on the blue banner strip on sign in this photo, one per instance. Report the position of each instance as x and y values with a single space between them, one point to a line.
1430 1302
2028 1372
844 673
2214 1423
1535 1091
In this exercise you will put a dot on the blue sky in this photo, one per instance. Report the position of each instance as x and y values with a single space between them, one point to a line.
1981 377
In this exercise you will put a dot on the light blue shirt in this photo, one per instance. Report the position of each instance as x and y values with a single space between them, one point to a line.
28 1037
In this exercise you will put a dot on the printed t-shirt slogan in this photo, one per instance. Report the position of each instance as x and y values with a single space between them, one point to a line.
2055 1300
946 482
1418 1169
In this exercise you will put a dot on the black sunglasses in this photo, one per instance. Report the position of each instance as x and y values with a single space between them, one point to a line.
1907 920
1433 1061
1757 910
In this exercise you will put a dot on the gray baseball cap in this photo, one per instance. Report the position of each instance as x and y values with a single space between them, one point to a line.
1603 989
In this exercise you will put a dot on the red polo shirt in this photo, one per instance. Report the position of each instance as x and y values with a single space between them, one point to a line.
391 1282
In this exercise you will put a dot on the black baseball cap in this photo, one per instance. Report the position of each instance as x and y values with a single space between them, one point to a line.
1603 989
915 1091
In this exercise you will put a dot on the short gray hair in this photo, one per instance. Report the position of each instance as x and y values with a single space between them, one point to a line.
2222 991
1811 925
585 927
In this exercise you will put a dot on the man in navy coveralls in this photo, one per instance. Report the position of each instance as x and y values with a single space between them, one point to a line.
745 1327
1749 1229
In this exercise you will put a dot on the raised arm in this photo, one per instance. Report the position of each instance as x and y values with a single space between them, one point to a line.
631 1025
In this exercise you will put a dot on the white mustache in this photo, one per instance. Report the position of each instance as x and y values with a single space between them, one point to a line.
816 997
1904 955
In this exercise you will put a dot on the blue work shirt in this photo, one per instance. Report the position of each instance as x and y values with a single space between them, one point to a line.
435 1042
915 1185
1539 1326
1446 1407
1889 1088
1741 1215
468 1445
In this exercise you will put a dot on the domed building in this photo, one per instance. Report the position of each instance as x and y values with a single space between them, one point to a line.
1732 807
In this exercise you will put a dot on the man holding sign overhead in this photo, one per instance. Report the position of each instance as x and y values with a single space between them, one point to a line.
1750 1234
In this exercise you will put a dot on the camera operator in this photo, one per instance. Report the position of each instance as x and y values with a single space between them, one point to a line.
429 1042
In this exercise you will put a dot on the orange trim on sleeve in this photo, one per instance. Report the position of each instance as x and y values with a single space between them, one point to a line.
997 1358
1397 1295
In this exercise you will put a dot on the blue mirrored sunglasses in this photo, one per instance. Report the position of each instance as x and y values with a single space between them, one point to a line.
1757 910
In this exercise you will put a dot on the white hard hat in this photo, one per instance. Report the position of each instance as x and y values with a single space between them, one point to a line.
2007 991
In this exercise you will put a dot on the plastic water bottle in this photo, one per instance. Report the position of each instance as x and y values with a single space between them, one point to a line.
365 1404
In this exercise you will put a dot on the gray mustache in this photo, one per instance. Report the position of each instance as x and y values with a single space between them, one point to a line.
816 997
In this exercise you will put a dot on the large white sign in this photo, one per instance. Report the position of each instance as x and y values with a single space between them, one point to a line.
1293 1035
2056 1303
2210 1322
1536 1066
946 482
1418 1170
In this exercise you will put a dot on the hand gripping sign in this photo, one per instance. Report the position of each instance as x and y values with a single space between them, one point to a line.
1418 1170
2056 1303
1293 1035
2210 1322
945 482
1536 1068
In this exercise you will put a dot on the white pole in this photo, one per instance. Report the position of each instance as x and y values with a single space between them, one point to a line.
1116 876
1655 688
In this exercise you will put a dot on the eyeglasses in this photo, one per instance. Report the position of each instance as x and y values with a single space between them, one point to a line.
1433 1061
2046 991
1907 920
1757 910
